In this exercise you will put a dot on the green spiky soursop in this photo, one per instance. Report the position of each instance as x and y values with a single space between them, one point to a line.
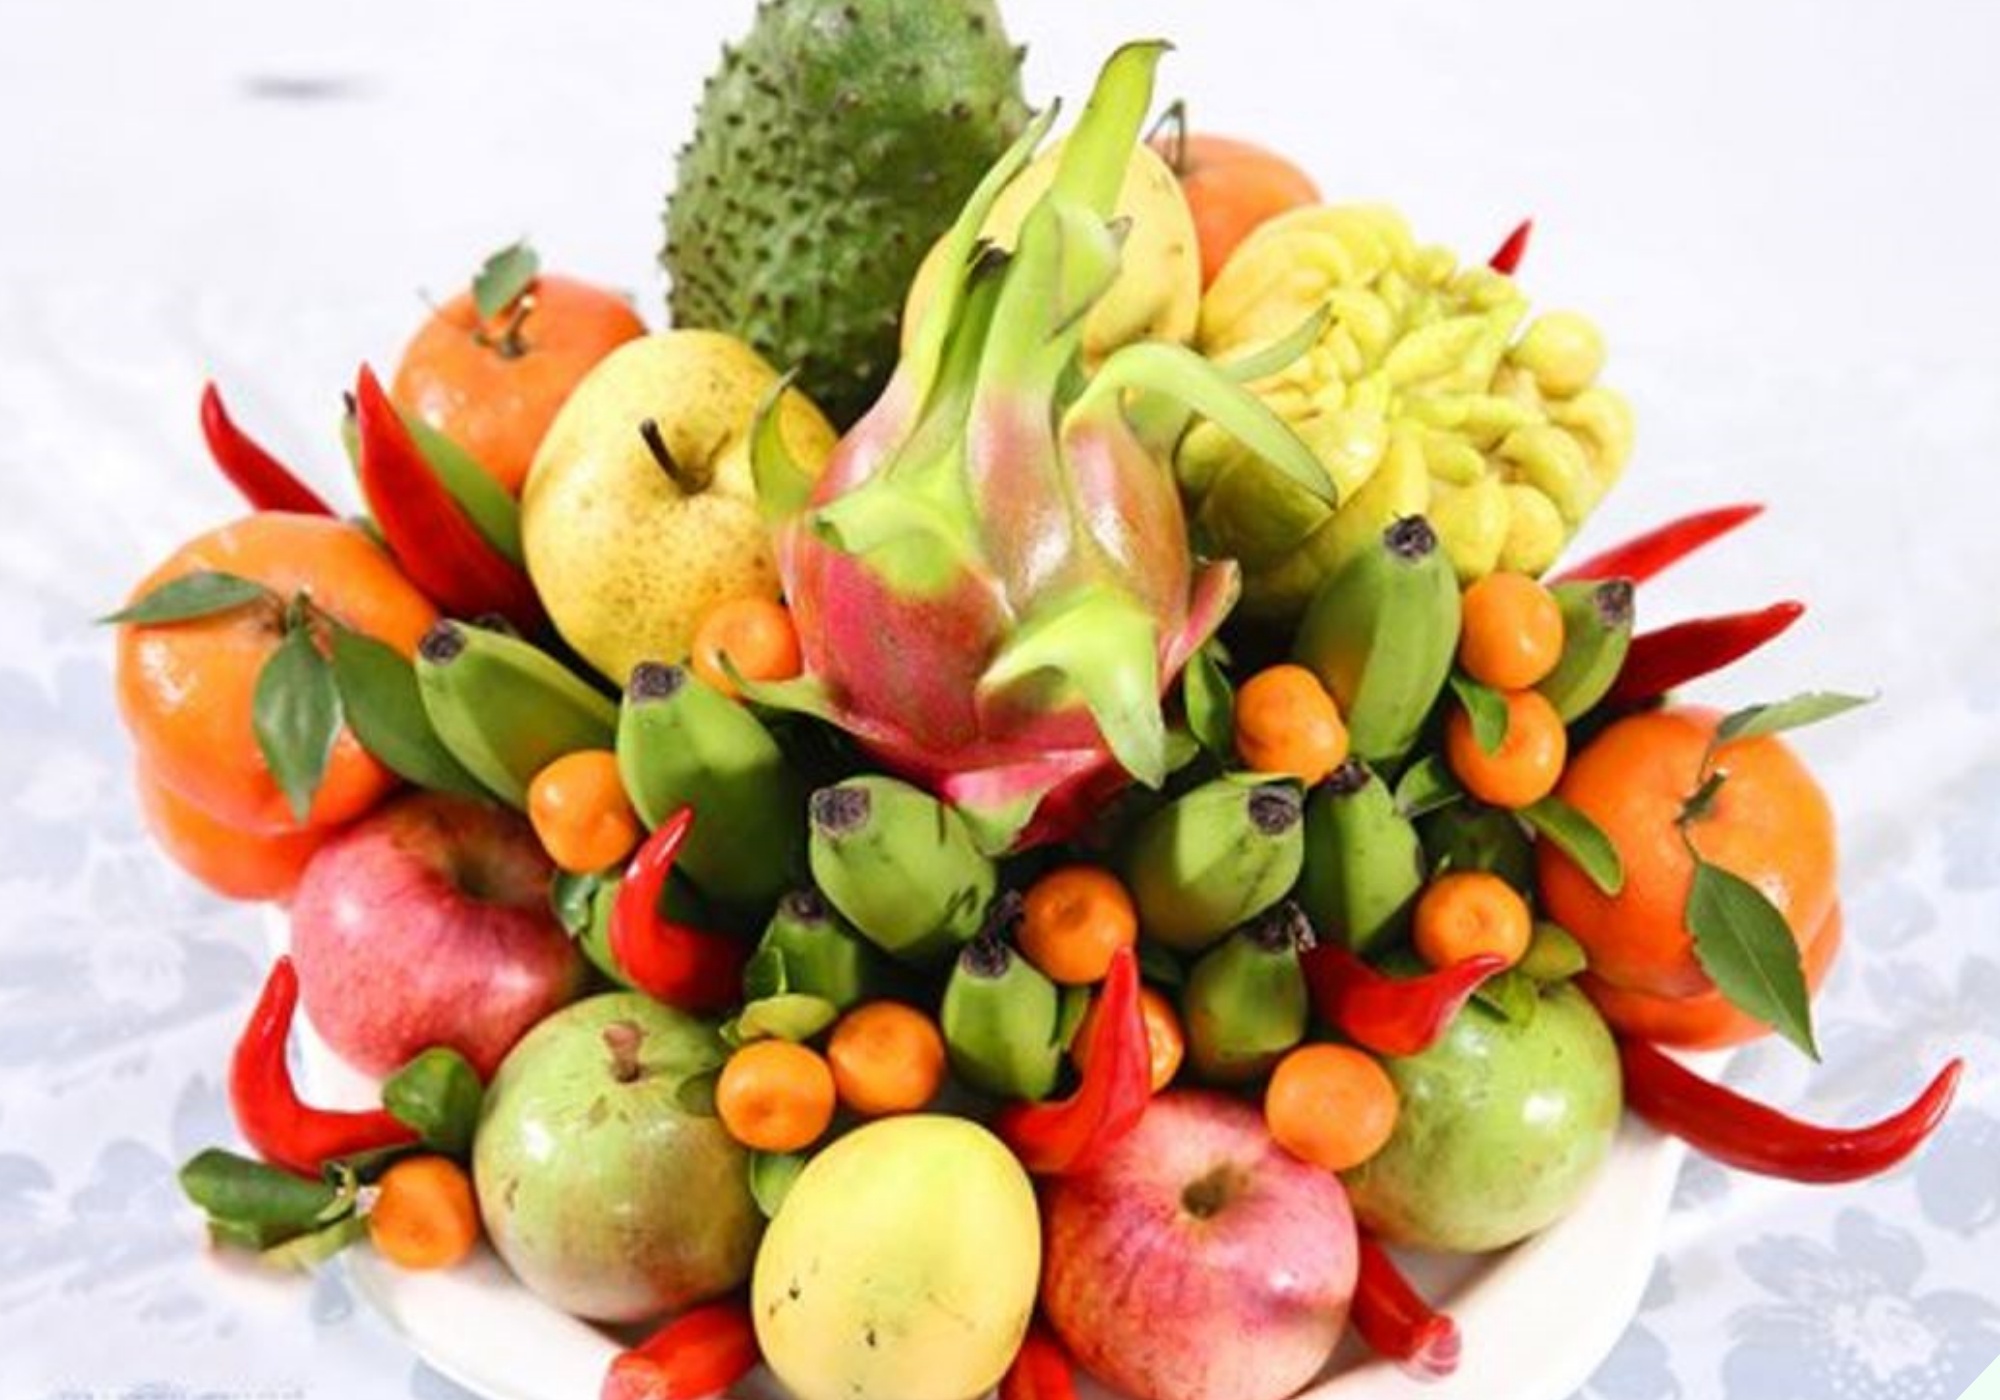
831 147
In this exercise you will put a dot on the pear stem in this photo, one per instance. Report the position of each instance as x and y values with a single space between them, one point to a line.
622 1039
691 480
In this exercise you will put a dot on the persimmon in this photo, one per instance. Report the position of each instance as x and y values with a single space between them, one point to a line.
1331 1105
425 1215
1231 186
1768 823
235 864
1511 634
758 637
1073 919
187 689
1529 761
580 810
1465 913
1286 722
493 387
775 1096
886 1058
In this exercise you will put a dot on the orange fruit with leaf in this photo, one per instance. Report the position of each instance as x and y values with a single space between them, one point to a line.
1727 848
491 365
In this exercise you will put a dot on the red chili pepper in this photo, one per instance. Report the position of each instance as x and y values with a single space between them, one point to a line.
286 1132
704 1351
1041 1370
264 481
1508 255
437 546
684 967
1741 1132
1671 656
1391 1015
1068 1135
1643 556
1396 1322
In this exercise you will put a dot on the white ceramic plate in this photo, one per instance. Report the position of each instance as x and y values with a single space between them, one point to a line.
1536 1319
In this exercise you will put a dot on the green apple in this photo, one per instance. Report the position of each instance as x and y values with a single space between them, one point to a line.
602 1192
640 512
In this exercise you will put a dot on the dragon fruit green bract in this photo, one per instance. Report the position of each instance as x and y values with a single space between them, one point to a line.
991 577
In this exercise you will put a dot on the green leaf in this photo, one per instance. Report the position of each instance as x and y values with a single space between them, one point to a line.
1579 838
193 596
1793 713
438 1093
251 1204
504 276
696 1094
379 699
1553 954
1486 707
1513 994
573 898
771 1178
765 975
307 1252
1427 786
295 711
494 513
1744 945
794 1016
1211 704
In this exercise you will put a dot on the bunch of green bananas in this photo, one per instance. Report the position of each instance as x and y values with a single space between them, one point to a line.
1418 397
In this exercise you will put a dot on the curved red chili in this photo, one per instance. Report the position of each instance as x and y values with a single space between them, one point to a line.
427 530
1041 1370
1507 257
1738 1131
1067 1135
1396 1322
1672 656
684 967
285 1131
1645 555
1391 1015
261 479
703 1351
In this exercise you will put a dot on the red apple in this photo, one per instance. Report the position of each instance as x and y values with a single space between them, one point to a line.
427 923
1199 1260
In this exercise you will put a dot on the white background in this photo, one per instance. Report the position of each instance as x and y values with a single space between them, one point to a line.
1782 215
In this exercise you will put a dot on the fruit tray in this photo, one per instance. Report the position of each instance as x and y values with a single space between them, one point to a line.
1540 1317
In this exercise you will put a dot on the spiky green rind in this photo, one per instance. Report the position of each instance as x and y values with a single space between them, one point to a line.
831 147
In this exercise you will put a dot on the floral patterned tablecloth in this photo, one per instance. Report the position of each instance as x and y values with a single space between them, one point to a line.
1783 218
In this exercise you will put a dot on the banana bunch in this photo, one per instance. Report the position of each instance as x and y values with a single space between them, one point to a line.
1422 394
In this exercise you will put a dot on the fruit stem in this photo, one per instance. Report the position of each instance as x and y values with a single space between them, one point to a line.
508 345
691 480
623 1039
841 811
652 680
442 644
1275 809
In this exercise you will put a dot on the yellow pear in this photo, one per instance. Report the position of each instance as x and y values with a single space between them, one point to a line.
1158 292
640 513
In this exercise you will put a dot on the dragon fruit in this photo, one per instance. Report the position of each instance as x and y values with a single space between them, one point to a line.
992 577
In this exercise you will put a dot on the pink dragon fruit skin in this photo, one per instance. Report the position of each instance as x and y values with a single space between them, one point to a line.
991 577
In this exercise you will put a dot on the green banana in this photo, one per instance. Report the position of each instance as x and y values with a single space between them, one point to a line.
1364 866
682 743
1597 632
1381 634
1001 1017
504 708
900 865
1470 835
1213 858
1245 1003
820 955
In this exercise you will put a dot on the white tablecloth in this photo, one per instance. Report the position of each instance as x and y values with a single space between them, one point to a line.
1782 215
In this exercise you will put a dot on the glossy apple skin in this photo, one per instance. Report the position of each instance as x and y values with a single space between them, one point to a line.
1199 1261
427 923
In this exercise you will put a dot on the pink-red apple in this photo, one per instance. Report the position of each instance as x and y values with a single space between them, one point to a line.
1199 1260
427 923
